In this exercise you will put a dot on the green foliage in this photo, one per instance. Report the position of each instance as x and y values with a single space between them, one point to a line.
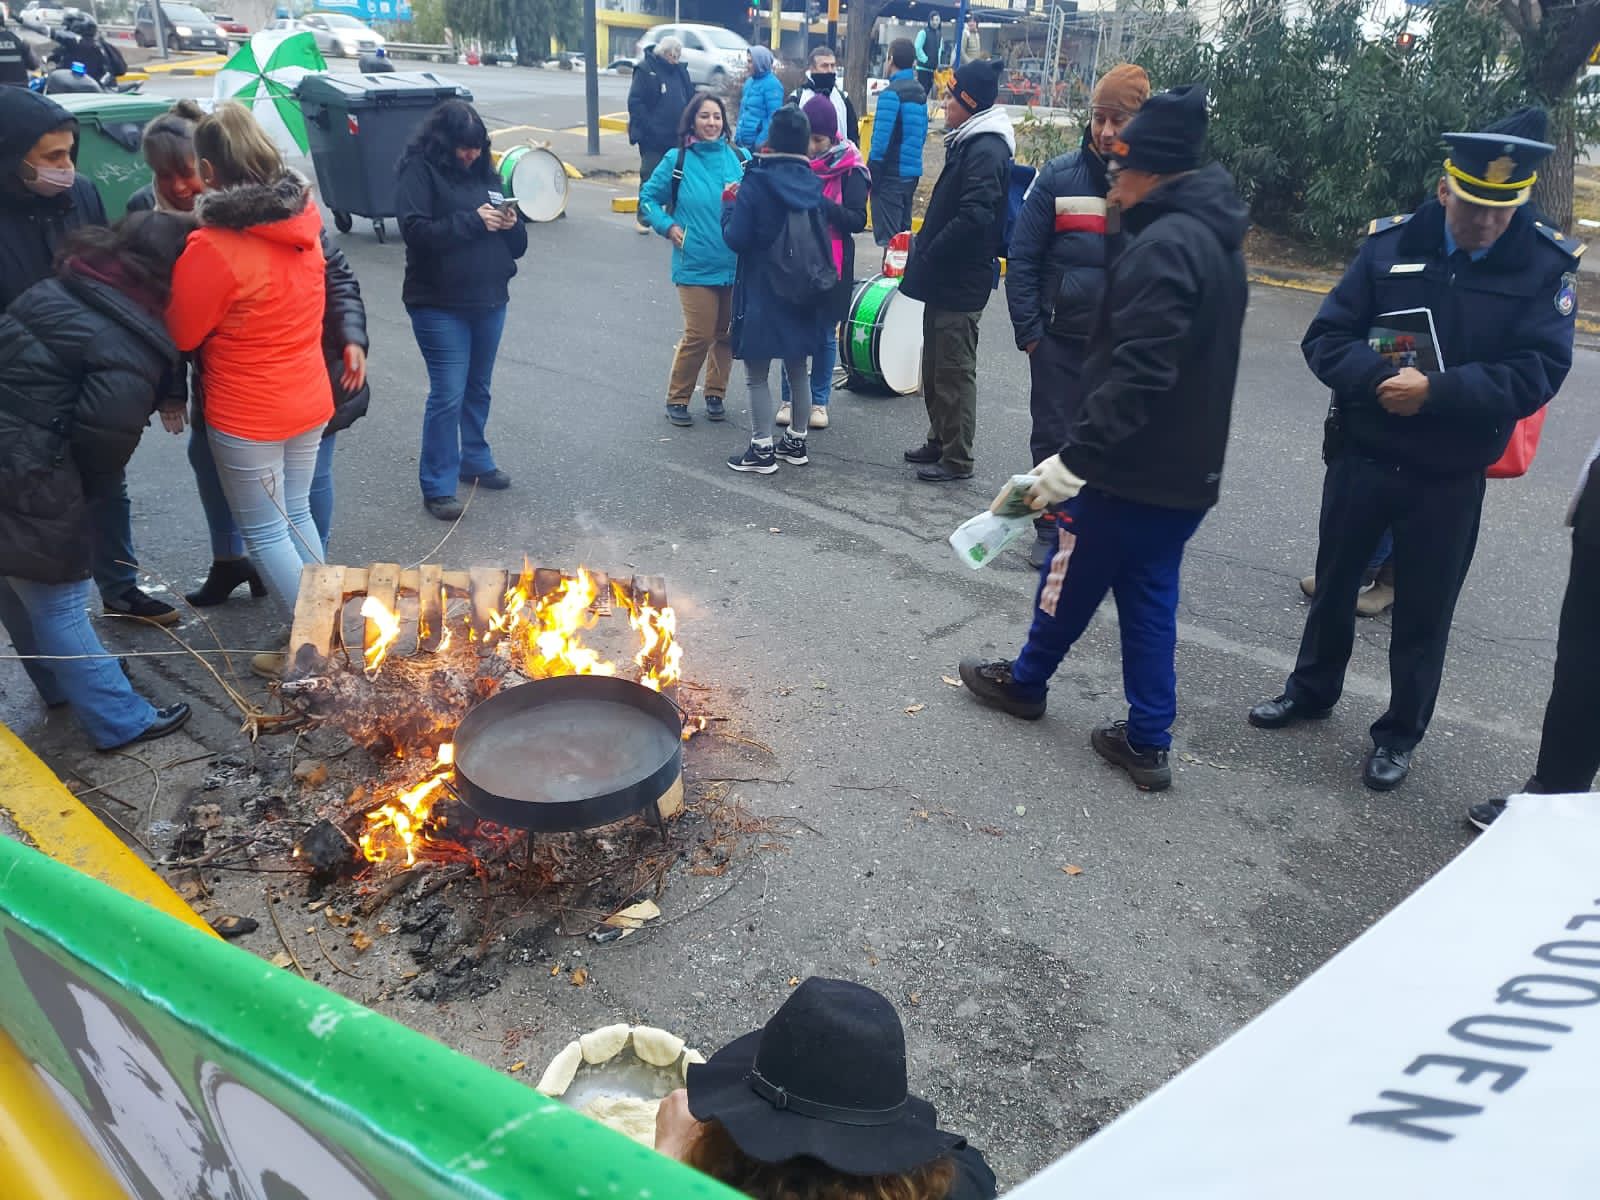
1038 141
1325 129
532 24
427 23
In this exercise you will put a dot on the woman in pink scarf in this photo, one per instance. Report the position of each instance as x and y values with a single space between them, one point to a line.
843 172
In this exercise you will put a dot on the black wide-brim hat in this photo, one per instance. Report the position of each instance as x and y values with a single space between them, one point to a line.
819 1081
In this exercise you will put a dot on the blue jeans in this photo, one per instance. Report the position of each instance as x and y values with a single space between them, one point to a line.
268 486
458 346
822 360
50 619
111 534
1134 551
225 539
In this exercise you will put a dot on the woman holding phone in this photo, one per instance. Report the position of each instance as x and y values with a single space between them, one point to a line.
462 242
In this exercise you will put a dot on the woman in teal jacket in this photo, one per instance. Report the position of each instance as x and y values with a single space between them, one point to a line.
762 96
685 207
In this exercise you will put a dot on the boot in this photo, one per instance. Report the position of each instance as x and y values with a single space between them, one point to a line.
1376 600
225 576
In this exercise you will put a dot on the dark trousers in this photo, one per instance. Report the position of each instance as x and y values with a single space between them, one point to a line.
649 160
1569 750
1135 552
891 205
1055 369
950 382
1435 525
111 530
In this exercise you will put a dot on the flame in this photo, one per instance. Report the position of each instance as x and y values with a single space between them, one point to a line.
660 657
405 818
388 630
548 631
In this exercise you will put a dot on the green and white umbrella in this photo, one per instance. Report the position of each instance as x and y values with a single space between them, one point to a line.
263 73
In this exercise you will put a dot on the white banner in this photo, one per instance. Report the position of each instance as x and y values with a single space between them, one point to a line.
1451 1050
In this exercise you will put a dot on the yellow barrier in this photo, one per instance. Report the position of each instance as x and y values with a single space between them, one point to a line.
42 1154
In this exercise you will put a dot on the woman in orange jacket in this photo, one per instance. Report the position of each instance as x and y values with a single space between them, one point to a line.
248 293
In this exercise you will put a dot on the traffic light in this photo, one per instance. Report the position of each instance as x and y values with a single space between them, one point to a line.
1405 42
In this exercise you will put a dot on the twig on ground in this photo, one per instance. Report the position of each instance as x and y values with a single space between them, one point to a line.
743 779
856 787
735 737
317 933
150 808
276 924
449 531
109 817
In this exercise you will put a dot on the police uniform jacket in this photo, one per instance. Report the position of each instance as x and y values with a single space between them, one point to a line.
1504 325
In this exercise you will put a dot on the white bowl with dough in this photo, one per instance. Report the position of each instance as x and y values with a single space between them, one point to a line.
618 1075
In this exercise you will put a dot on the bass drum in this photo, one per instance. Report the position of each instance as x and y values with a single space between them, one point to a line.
881 339
537 180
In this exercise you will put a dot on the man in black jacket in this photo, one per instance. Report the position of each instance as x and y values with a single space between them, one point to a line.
17 59
660 91
953 267
1143 459
1056 271
1453 324
42 199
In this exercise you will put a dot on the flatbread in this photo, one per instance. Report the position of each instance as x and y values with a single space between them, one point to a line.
656 1046
630 1115
690 1058
602 1045
557 1077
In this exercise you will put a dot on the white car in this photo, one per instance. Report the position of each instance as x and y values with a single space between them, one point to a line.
336 34
713 54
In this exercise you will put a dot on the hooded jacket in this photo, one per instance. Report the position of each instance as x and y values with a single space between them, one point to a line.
1158 384
81 368
953 260
899 128
249 292
452 260
762 96
32 227
1505 341
704 259
659 93
765 326
1056 266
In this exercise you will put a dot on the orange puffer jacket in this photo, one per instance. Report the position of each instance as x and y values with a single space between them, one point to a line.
248 292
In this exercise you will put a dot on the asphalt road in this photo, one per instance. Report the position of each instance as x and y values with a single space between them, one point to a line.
821 608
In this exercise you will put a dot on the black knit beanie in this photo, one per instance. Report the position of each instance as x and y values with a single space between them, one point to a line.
1168 136
790 132
977 84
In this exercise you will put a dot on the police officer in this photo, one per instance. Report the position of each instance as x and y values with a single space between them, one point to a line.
1454 323
16 56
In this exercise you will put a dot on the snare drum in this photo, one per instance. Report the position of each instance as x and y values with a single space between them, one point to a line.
536 179
882 338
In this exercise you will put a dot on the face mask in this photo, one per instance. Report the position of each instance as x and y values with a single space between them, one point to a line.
47 181
823 83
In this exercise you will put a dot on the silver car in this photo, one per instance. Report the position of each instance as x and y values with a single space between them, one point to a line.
714 55
336 34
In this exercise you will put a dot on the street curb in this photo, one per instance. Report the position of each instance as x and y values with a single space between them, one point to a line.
194 66
59 825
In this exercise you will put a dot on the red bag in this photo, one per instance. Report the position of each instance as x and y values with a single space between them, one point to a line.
1524 444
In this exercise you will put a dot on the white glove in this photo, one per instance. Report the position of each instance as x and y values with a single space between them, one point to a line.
1056 484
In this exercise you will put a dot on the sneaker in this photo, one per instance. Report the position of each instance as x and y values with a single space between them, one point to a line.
785 415
819 416
678 414
1375 600
755 460
446 508
135 603
991 684
1045 545
715 410
270 664
493 481
792 450
1481 816
1147 767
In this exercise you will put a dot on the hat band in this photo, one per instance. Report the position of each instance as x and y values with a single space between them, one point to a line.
785 1101
1473 181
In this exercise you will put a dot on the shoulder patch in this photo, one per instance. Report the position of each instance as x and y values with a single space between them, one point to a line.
1569 246
1383 224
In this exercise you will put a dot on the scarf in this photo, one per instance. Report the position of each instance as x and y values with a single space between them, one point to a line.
990 120
831 168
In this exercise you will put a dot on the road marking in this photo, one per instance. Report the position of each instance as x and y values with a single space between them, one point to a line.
494 133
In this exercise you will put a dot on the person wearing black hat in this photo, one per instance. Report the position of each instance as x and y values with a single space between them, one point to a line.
1142 463
1453 324
815 1103
17 59
952 268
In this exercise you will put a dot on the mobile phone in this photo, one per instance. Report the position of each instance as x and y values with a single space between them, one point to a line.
498 202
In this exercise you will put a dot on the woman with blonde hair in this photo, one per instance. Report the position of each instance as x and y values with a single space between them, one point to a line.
248 294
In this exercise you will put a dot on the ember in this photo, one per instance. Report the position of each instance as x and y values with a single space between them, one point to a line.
405 818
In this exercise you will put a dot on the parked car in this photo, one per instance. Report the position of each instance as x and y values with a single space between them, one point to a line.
336 34
713 54
43 17
228 25
183 26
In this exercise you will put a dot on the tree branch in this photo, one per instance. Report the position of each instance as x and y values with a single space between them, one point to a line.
1513 16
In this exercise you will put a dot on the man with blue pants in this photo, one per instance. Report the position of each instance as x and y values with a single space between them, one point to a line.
1143 459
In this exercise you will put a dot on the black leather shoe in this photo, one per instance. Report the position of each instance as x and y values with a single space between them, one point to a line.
223 580
493 481
1386 768
446 508
939 473
1282 712
168 720
928 452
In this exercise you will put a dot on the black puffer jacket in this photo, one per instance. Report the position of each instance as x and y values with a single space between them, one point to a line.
953 260
1056 269
1158 384
32 227
452 260
81 367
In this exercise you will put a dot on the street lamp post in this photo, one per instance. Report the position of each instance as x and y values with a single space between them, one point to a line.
591 74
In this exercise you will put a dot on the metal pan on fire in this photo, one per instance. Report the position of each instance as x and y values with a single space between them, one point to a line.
566 753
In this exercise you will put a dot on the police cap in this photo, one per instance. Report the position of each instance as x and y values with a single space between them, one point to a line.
1497 167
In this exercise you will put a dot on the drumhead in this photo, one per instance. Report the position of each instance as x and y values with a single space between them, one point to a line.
538 182
900 344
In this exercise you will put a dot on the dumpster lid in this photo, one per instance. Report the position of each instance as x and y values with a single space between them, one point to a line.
402 86
105 107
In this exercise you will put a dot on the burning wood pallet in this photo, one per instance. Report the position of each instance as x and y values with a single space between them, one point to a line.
325 590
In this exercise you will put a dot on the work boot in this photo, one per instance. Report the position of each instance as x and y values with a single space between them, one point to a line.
928 452
1375 600
785 415
269 664
1308 585
1147 766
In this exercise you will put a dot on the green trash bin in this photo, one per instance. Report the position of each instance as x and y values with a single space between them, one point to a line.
358 126
109 127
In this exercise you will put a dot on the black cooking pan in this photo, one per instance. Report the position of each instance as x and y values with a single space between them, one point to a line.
571 752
